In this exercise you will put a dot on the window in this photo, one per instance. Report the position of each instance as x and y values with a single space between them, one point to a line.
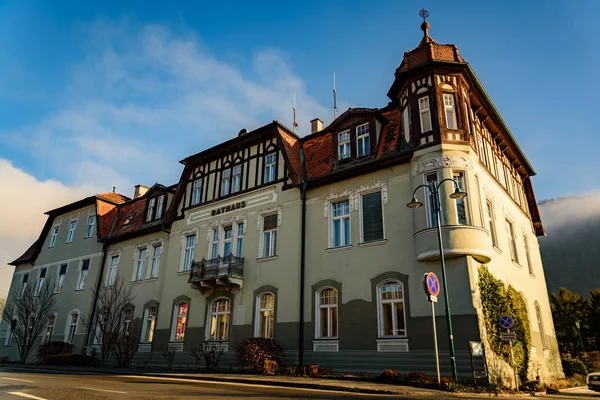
392 321
372 217
340 223
49 329
527 256
239 239
128 220
225 182
344 145
83 273
150 212
10 332
140 265
179 322
91 226
490 222
236 181
71 234
112 271
270 167
327 313
196 191
450 111
159 206
24 284
269 236
424 113
461 205
220 314
62 272
363 143
510 231
156 252
41 281
150 323
55 231
190 243
538 314
431 181
214 246
405 124
127 320
72 327
265 315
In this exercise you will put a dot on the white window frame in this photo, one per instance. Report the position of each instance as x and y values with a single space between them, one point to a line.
160 202
270 167
512 241
344 140
127 318
329 307
527 254
150 211
82 275
41 280
149 324
381 302
425 113
236 178
240 229
24 284
214 246
458 176
54 237
155 264
365 138
226 182
272 241
140 264
112 269
91 225
270 322
491 220
188 248
61 282
225 240
70 338
196 192
540 320
362 223
332 218
217 314
450 107
176 317
47 335
406 123
71 233
431 219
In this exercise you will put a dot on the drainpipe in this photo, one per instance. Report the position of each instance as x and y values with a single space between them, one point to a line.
302 272
98 287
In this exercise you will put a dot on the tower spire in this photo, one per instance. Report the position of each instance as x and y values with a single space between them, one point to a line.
425 25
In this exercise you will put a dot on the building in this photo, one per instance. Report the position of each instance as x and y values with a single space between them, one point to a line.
309 240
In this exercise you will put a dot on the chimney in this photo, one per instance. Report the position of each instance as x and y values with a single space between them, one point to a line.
316 125
139 191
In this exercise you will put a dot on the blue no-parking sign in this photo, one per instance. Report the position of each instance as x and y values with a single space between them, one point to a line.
506 322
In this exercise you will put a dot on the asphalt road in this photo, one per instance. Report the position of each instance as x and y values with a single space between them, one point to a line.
20 385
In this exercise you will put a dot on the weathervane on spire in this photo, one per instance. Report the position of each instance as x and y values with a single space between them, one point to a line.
425 25
424 14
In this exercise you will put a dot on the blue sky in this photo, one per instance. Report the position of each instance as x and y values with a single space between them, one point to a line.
115 93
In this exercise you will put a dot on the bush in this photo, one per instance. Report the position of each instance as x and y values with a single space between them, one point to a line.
74 360
211 352
252 353
389 375
419 378
573 366
53 348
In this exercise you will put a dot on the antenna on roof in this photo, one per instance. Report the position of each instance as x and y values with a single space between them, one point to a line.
114 189
295 123
334 98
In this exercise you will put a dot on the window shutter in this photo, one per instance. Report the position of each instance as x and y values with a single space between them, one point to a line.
372 217
270 222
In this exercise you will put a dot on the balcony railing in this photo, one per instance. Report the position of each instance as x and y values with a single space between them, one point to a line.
220 271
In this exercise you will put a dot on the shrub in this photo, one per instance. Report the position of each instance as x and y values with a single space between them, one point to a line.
252 353
558 384
573 366
125 347
211 352
419 378
168 354
53 348
73 360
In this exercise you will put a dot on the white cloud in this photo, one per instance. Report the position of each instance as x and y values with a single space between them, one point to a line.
22 207
571 210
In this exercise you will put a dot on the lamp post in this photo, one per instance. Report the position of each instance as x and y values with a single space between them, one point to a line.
435 195
578 325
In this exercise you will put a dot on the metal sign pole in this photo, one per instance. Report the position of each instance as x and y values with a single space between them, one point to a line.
512 362
435 344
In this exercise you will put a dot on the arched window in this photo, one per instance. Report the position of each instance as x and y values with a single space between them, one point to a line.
538 314
179 322
392 316
265 315
220 314
127 320
327 313
49 329
72 323
10 332
149 324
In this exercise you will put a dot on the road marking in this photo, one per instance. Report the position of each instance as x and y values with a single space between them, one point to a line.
101 390
15 379
29 396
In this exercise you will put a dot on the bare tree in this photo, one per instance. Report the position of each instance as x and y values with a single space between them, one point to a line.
2 304
108 319
27 311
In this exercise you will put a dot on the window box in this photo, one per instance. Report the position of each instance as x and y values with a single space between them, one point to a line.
392 345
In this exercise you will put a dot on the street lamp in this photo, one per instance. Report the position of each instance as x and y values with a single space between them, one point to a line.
414 203
578 325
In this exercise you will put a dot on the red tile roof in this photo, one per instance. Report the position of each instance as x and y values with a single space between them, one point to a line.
390 132
318 154
429 50
291 146
137 209
113 197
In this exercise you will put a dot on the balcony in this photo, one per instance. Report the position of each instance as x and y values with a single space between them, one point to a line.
459 241
219 273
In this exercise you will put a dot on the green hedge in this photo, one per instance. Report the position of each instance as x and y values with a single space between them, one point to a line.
573 366
498 300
